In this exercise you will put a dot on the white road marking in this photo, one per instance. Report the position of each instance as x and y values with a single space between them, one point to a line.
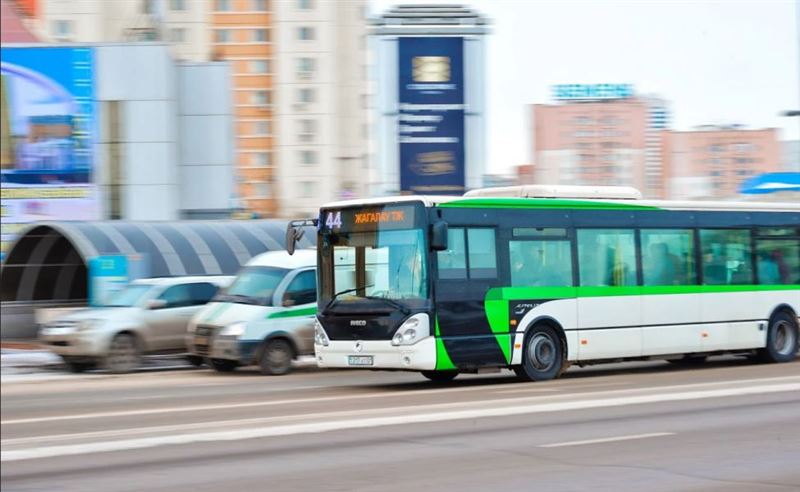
324 399
361 423
606 439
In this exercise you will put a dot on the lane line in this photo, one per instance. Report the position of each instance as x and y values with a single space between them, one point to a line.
390 394
362 423
606 439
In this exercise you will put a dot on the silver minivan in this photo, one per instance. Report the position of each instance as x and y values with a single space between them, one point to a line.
148 316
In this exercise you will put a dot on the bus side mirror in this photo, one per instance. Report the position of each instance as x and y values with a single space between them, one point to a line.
293 235
439 236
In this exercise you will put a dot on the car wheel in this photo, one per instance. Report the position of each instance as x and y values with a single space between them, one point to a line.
782 339
544 355
440 376
123 354
276 358
224 365
195 360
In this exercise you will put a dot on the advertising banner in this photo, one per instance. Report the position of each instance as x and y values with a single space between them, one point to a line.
431 115
48 122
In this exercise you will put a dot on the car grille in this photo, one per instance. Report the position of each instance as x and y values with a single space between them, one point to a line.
203 335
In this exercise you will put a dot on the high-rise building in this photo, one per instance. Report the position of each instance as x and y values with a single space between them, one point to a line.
299 82
601 134
711 162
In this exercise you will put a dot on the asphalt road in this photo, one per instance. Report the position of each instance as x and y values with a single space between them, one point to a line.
728 425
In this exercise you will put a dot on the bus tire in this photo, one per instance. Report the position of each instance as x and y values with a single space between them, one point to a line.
544 355
276 357
440 376
782 339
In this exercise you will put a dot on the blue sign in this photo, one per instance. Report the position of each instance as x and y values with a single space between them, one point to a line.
571 92
431 115
108 274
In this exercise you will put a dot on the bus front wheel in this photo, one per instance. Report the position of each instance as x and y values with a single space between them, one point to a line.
782 339
544 355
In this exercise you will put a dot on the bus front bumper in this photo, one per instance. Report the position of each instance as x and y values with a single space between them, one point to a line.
377 354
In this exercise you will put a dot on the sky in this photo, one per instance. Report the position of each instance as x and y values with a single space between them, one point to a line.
716 62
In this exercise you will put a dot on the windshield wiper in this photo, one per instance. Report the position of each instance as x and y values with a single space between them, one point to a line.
330 303
391 302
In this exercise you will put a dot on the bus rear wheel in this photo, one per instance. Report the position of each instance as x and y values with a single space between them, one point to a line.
544 355
440 376
782 339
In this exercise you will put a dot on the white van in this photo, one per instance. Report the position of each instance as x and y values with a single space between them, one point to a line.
266 316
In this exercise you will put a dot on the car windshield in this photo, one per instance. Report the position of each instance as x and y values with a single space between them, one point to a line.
254 285
129 296
383 264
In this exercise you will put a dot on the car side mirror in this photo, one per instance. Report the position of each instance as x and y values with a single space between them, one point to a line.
156 304
439 236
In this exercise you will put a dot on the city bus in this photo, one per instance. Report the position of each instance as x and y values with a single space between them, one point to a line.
537 278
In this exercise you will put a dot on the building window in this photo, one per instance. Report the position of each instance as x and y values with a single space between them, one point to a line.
149 6
261 98
261 190
260 159
308 189
305 4
261 127
305 67
177 35
222 5
260 35
306 95
259 66
222 36
177 4
307 129
259 6
308 157
62 28
305 33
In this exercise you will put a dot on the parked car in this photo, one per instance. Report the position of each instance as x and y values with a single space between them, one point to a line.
148 316
266 317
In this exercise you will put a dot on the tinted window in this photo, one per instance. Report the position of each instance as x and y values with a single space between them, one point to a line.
540 263
607 257
453 260
668 257
778 261
726 256
482 255
177 296
302 290
202 292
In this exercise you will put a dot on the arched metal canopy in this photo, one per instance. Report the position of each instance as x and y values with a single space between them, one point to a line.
48 261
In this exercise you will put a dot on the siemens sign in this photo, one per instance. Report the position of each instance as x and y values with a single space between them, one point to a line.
431 115
572 92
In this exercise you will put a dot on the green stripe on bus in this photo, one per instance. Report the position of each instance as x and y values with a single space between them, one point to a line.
508 293
542 203
443 361
293 313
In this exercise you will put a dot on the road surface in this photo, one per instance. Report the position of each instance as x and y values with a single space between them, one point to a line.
728 425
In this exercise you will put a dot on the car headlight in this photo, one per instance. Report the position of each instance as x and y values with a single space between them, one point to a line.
412 330
88 324
234 330
320 338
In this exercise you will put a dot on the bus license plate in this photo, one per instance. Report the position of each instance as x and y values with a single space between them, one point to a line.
359 360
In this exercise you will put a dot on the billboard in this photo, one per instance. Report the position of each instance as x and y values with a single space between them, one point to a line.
49 126
431 115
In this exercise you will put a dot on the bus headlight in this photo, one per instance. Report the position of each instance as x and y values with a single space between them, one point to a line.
320 338
234 330
412 330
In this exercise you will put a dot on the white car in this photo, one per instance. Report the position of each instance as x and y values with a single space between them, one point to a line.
148 316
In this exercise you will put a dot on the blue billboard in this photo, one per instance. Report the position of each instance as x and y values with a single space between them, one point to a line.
431 115
49 127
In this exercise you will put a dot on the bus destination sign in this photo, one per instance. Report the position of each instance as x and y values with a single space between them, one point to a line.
368 219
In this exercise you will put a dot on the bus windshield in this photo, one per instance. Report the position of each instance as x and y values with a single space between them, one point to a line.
383 264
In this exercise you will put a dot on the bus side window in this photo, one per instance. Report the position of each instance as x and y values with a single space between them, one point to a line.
778 261
726 256
482 253
668 257
540 263
453 260
607 257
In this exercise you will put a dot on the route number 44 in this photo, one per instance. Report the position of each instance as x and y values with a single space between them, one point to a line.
333 220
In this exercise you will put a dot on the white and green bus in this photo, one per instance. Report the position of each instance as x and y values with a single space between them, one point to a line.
538 278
